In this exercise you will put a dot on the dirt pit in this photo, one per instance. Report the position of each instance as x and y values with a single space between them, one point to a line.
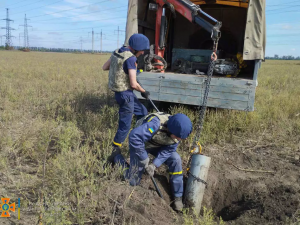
269 193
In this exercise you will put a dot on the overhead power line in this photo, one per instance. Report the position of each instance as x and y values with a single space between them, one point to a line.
16 3
74 29
70 32
28 4
70 9
84 14
38 7
86 21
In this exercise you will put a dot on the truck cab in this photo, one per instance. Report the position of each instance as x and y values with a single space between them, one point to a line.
183 50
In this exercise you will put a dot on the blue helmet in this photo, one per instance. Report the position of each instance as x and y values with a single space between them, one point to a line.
139 42
180 125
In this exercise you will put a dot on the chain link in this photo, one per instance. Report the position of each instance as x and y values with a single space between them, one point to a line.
198 179
203 107
206 92
204 104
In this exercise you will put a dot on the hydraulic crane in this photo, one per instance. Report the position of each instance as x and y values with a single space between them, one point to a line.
191 12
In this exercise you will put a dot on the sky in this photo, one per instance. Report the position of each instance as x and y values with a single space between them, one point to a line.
64 23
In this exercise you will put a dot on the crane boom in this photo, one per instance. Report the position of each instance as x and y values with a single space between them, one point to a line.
191 12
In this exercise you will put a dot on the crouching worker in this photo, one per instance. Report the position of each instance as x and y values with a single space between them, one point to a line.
158 134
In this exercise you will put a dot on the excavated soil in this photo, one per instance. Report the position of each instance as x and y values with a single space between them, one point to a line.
267 194
270 195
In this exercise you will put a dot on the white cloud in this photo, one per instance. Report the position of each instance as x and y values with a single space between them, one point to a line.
284 26
88 13
77 2
293 49
54 33
93 8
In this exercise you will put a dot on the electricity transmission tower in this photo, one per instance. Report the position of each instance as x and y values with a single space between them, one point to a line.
26 37
8 36
101 42
92 40
101 38
20 39
81 43
119 35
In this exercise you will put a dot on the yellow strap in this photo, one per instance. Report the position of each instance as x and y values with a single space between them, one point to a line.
117 144
151 119
176 173
199 146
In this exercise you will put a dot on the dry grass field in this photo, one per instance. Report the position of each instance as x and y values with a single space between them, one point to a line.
57 121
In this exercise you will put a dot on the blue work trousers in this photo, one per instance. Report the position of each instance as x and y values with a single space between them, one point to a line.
135 171
129 105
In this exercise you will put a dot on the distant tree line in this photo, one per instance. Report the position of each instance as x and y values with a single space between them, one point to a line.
285 57
42 49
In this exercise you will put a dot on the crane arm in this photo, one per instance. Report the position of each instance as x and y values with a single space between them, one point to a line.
195 14
191 12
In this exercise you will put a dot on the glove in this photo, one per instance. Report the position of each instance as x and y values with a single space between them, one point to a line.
146 94
150 169
145 162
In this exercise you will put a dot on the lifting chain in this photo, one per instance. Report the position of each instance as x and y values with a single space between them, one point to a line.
204 104
198 179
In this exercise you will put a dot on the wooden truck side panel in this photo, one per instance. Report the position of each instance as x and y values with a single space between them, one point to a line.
227 93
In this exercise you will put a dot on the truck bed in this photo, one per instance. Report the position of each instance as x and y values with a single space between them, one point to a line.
227 93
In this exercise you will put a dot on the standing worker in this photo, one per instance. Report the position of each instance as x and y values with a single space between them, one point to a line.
122 68
158 134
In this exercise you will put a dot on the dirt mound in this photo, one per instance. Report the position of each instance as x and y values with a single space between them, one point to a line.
135 205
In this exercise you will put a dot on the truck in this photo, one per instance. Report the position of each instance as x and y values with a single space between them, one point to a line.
184 34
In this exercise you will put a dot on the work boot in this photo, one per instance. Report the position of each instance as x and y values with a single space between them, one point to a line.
178 205
116 151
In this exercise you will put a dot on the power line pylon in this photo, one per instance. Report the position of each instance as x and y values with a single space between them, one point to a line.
101 38
81 43
26 36
119 35
101 42
20 39
92 40
8 36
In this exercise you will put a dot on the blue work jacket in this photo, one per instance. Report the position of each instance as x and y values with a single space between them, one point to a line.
140 135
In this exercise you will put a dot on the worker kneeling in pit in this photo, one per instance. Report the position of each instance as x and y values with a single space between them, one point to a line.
158 134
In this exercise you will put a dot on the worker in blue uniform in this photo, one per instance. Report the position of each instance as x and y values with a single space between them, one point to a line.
122 68
158 134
